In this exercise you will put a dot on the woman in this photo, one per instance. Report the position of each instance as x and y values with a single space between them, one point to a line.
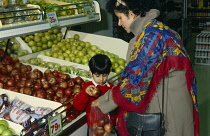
156 52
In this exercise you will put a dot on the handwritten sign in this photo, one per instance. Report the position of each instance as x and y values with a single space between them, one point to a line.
55 125
52 19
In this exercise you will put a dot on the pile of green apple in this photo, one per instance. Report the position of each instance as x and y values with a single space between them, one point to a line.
43 40
78 51
5 130
55 66
13 48
60 10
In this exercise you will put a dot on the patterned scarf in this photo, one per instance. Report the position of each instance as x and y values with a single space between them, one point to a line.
157 49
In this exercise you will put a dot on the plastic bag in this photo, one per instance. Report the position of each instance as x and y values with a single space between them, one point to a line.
100 124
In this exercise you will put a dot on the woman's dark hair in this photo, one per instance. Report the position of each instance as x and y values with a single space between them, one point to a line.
100 64
138 7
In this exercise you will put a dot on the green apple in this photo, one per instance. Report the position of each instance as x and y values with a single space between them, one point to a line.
118 70
65 54
20 54
68 51
42 52
28 39
15 47
37 38
63 68
93 47
80 54
61 57
85 60
43 39
56 31
4 122
44 46
49 44
79 47
48 53
78 60
31 43
6 132
55 54
121 61
63 13
2 128
50 65
67 59
87 44
32 61
76 37
34 48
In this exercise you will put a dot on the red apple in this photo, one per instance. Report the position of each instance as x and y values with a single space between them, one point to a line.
70 83
63 85
10 82
108 127
68 91
60 92
78 80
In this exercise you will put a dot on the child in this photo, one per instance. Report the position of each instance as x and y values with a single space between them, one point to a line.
100 66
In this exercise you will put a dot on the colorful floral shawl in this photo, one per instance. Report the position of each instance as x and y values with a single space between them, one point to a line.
157 50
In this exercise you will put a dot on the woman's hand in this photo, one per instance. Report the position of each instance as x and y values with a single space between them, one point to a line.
94 103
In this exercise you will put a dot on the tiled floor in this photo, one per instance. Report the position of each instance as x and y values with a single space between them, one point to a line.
203 87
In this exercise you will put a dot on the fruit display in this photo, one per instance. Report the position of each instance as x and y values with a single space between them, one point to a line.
55 66
43 40
14 48
79 51
5 129
19 14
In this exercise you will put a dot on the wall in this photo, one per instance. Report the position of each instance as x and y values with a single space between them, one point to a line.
104 27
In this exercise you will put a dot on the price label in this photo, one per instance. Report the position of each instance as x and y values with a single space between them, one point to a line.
89 11
52 19
55 125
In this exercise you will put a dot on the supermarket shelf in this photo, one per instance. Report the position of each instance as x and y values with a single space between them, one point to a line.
199 8
202 50
200 17
202 42
26 28
30 28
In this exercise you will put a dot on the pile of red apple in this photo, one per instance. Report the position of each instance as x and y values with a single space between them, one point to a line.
50 84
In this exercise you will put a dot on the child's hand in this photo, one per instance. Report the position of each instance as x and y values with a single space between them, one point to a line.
89 89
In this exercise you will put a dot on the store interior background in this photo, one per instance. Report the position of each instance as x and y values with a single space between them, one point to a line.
108 27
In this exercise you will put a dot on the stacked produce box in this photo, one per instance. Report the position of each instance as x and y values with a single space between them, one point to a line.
202 53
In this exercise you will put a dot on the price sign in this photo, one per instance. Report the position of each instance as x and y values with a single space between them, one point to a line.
89 11
52 19
55 125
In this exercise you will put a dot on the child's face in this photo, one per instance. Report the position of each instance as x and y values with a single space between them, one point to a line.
100 79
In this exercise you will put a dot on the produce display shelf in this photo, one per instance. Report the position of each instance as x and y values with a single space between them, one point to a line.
26 28
30 28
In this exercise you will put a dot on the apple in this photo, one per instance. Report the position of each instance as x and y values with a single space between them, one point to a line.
2 128
108 127
6 132
95 92
4 122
